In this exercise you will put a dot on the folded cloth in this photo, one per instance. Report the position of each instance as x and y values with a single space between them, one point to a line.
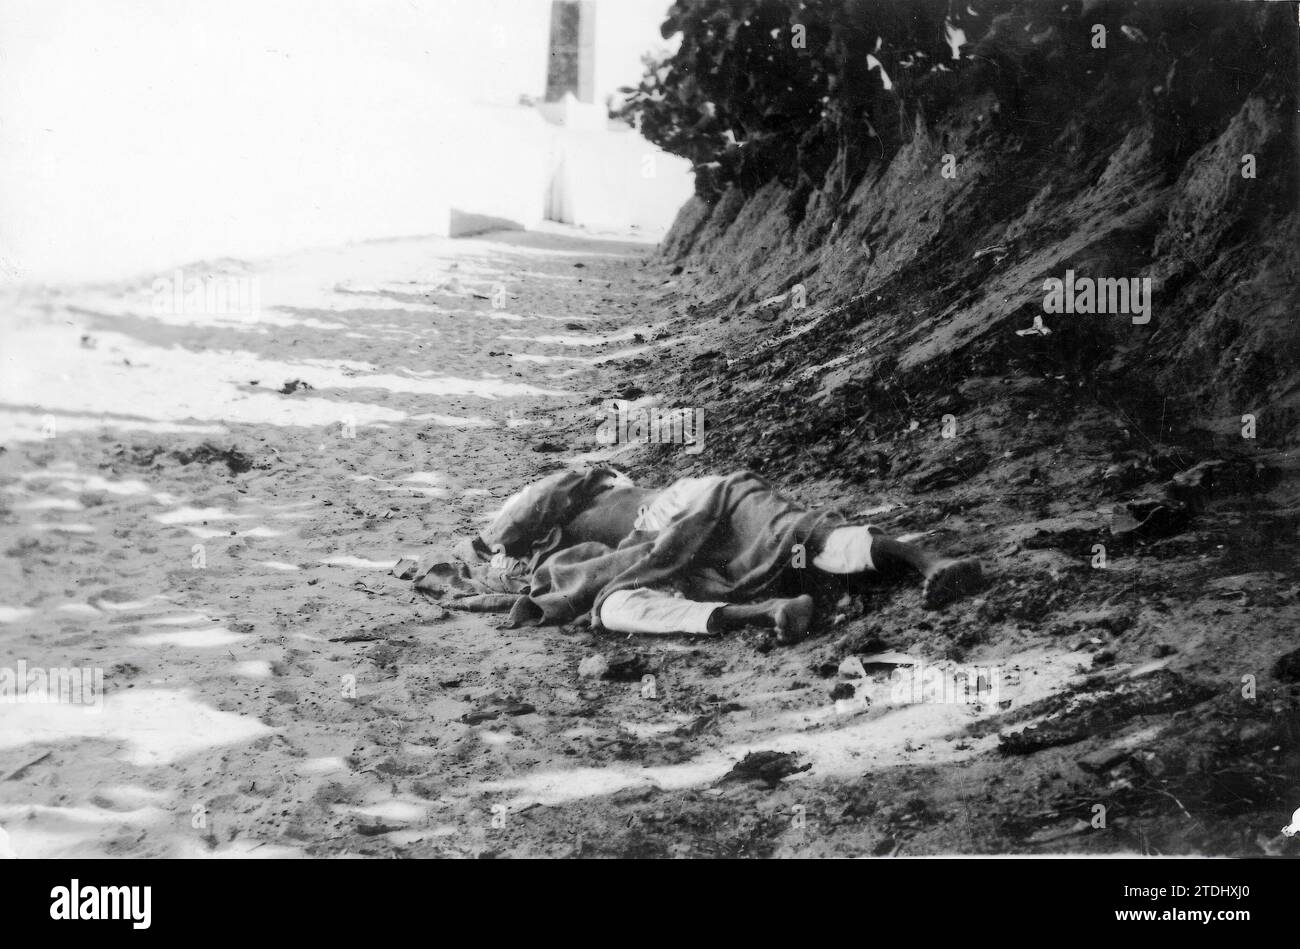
455 579
480 573
673 500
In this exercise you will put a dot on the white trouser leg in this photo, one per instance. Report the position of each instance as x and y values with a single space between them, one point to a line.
654 611
847 550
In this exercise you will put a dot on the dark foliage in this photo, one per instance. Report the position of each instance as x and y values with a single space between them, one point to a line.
763 89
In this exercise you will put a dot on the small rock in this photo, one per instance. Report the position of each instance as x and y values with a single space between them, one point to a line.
593 667
1101 761
626 666
1287 667
405 568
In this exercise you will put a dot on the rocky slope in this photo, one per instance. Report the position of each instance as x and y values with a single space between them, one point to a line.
887 346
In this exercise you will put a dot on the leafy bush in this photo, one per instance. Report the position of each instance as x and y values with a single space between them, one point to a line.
763 89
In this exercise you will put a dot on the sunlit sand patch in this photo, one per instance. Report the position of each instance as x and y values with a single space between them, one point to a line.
63 528
529 357
156 726
130 796
253 669
42 832
359 563
58 469
514 421
404 837
496 739
476 492
651 729
563 339
840 740
452 421
78 609
185 386
322 765
402 811
184 619
425 483
153 603
29 425
66 478
207 533
14 614
192 638
415 489
50 504
81 815
141 303
96 483
391 296
278 565
195 515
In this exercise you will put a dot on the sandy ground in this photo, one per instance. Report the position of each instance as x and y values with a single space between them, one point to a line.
221 550
227 610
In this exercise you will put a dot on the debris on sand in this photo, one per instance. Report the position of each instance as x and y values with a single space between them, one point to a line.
1075 716
493 707
765 767
147 456
843 690
1150 518
293 385
237 461
405 568
627 666
376 830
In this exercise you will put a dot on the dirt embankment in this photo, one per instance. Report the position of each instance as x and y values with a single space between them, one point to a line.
889 346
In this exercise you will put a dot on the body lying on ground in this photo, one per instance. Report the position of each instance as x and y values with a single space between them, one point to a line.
700 556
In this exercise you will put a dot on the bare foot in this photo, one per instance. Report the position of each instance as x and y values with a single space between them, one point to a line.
951 580
792 618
